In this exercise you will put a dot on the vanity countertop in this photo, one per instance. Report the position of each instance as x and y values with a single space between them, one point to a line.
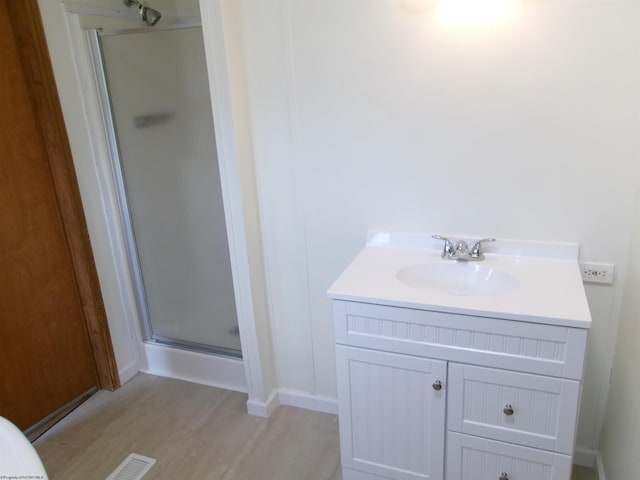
549 286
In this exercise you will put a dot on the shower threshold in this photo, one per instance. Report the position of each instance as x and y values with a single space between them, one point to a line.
195 347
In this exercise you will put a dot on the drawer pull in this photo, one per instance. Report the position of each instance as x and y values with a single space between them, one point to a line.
437 385
504 476
508 411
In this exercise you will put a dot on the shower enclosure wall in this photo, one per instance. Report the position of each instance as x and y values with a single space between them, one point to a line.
157 110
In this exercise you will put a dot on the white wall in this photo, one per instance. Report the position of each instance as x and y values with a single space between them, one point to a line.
621 435
377 115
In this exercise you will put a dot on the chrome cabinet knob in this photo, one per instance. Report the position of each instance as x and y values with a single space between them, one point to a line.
508 410
504 476
437 385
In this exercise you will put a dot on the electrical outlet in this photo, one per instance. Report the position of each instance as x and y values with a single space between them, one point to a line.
597 272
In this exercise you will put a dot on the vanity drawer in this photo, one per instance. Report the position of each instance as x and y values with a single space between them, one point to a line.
473 458
523 346
530 410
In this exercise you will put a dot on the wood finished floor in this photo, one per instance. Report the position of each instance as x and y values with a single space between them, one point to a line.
194 432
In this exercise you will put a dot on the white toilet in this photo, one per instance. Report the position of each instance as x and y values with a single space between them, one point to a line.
18 458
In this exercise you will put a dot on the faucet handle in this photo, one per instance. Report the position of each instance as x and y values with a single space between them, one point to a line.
475 250
449 249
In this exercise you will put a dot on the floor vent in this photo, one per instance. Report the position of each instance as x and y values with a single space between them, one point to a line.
133 468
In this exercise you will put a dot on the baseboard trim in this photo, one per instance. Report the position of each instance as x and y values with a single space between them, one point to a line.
317 403
292 398
585 457
128 372
263 409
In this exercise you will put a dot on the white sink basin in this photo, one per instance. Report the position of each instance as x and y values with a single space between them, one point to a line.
459 278
518 280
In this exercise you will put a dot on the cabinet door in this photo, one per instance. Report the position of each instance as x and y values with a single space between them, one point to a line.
391 416
474 458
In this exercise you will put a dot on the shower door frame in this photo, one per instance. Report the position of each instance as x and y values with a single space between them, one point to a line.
238 192
117 170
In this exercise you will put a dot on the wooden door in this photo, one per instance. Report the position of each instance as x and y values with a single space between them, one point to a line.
54 342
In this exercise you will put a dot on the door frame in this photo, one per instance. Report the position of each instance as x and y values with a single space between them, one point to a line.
30 38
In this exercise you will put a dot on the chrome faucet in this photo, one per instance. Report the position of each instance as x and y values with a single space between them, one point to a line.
461 250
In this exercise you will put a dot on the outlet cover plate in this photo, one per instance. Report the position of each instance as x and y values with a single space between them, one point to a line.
594 272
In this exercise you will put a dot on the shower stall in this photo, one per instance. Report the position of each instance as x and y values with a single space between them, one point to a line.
157 111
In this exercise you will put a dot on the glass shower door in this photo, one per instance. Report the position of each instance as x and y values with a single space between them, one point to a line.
160 106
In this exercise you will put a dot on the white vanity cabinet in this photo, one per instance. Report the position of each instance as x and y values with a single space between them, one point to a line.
433 395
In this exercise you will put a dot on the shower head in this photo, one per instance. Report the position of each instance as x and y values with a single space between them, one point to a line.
149 15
